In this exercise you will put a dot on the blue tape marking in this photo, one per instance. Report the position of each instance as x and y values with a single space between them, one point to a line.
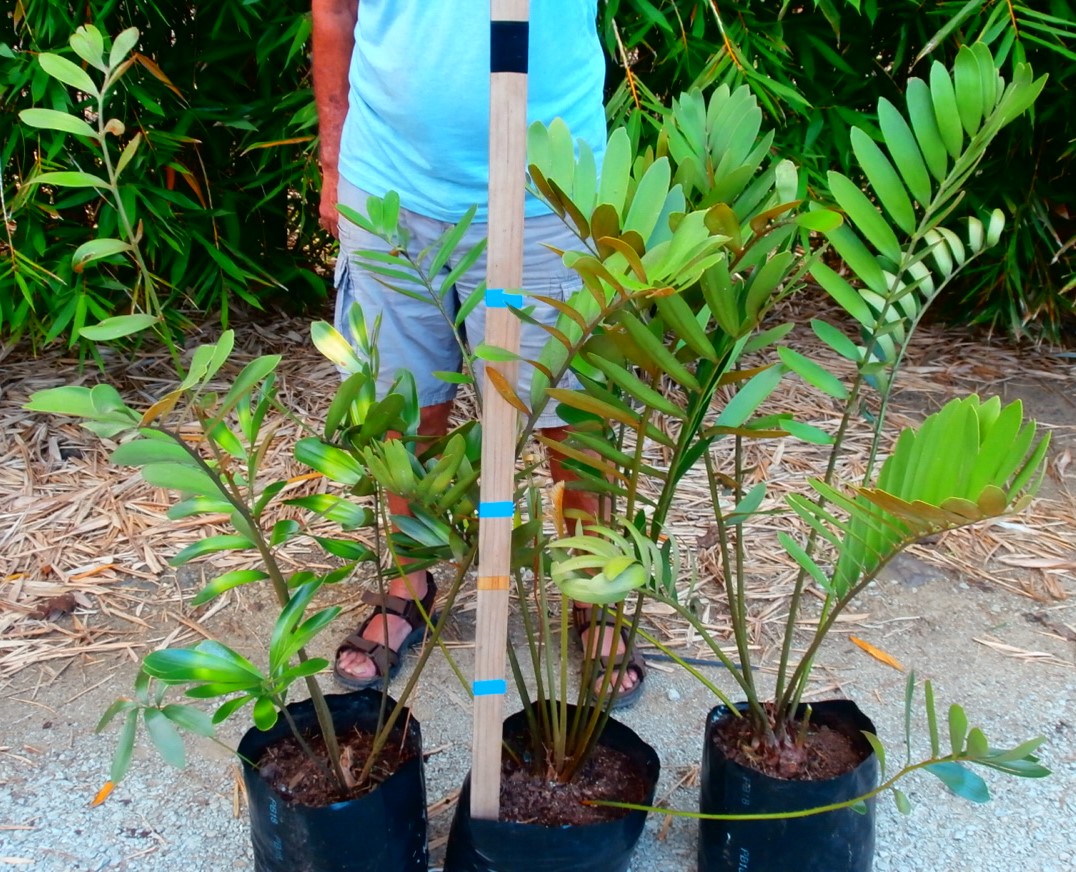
499 509
498 298
490 687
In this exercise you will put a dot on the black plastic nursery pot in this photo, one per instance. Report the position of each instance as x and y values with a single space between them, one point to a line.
382 831
503 846
835 841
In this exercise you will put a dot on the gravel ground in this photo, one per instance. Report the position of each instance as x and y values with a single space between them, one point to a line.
51 763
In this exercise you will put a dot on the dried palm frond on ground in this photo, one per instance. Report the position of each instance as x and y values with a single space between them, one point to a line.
84 545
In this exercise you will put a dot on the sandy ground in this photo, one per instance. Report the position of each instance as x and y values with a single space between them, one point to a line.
1007 656
51 763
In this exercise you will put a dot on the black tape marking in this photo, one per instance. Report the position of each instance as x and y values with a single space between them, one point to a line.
508 46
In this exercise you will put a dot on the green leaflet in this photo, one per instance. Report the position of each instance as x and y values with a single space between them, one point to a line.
946 110
968 90
117 327
68 179
648 200
813 373
961 781
211 545
335 463
51 119
925 125
958 728
122 45
616 165
902 145
206 662
749 397
884 180
165 737
67 72
184 477
141 452
835 339
227 581
636 388
868 221
189 718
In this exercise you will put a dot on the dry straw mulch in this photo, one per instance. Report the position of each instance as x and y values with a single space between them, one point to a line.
84 546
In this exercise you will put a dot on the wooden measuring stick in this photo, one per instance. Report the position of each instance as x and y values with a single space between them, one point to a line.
504 276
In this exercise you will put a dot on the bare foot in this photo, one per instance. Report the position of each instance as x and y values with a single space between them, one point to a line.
604 642
361 666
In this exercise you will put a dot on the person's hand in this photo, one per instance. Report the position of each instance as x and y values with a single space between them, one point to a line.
328 216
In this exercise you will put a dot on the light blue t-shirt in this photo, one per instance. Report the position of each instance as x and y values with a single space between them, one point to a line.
418 121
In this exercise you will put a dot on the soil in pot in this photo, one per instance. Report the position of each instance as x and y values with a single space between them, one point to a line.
825 749
382 829
731 784
602 843
290 771
536 798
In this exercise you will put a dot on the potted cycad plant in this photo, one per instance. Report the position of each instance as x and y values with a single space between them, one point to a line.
562 752
653 356
335 781
550 745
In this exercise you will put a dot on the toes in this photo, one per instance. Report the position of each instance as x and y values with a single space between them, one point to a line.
627 682
356 665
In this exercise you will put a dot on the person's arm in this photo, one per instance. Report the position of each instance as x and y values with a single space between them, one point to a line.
333 41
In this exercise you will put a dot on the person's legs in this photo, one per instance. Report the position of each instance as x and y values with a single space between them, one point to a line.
544 274
387 629
598 640
413 335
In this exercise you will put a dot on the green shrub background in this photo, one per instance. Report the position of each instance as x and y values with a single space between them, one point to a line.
226 193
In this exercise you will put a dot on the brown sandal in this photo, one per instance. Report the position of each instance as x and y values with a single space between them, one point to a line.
385 660
586 618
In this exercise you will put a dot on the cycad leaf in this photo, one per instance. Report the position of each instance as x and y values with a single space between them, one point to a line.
649 199
925 125
851 248
813 373
900 140
659 358
637 389
951 472
847 297
748 398
884 180
946 110
616 165
961 781
869 221
968 89
681 319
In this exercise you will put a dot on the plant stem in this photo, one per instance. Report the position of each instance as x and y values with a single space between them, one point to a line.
276 577
153 304
812 539
792 693
737 671
691 670
786 815
385 731
338 776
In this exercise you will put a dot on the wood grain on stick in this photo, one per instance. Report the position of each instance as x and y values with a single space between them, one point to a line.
504 257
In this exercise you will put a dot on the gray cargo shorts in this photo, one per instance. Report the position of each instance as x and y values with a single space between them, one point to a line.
415 335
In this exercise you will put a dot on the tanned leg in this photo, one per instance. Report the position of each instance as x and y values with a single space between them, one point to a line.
433 421
585 503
